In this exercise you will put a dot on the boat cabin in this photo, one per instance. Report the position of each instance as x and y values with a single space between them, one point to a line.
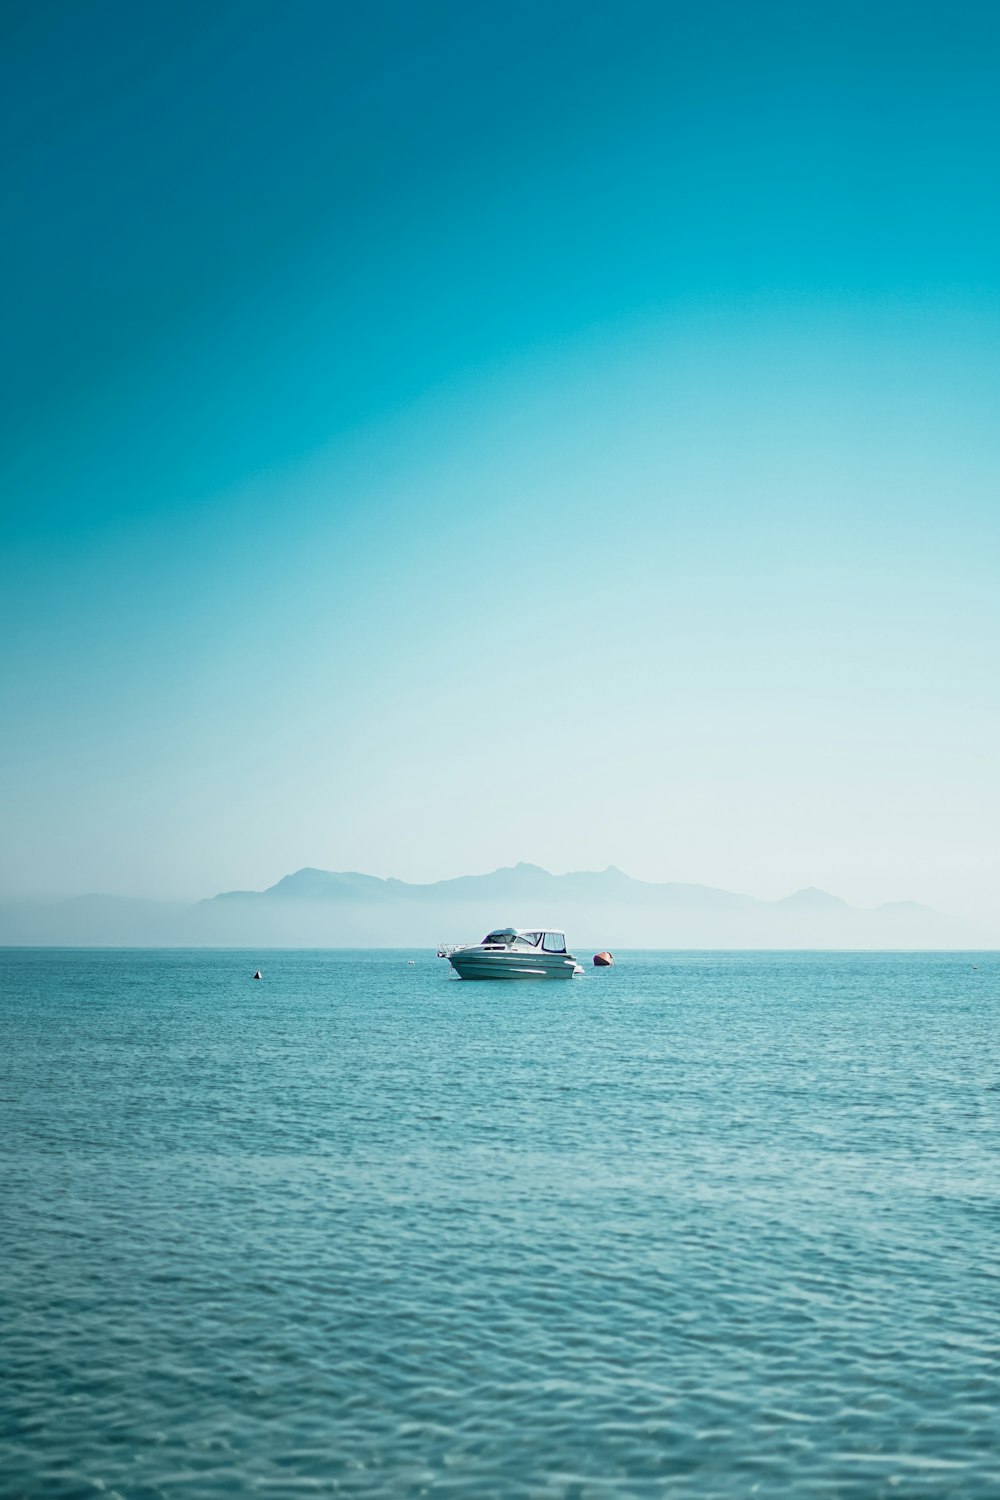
512 937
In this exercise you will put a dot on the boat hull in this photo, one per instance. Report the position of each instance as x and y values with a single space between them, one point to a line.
473 965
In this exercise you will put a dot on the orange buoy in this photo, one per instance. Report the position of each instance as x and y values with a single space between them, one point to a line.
603 960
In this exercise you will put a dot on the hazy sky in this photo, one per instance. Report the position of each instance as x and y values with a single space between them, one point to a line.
438 435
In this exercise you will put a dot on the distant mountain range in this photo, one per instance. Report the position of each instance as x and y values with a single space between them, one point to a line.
600 909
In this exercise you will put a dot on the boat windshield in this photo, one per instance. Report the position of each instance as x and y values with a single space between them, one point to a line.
508 937
500 938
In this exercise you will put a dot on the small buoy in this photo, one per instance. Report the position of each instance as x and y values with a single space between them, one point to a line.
411 962
258 975
603 960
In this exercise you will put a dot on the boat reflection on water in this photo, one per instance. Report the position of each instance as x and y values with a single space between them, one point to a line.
514 953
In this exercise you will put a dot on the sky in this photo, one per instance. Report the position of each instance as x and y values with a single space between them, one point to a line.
436 436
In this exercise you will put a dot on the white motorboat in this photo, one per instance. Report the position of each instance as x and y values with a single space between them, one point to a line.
512 953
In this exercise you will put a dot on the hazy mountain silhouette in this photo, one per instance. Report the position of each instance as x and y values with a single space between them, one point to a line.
813 900
606 908
522 882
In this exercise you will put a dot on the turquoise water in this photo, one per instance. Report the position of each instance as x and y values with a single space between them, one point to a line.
695 1226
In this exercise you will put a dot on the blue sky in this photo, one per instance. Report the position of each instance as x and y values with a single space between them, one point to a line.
446 435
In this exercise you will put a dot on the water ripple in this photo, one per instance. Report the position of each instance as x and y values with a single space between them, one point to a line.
699 1225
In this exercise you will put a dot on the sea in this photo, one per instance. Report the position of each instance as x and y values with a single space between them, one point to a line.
700 1225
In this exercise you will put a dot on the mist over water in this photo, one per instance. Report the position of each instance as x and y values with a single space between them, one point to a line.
313 908
702 1225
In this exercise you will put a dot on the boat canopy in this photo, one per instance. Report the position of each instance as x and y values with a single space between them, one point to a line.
511 937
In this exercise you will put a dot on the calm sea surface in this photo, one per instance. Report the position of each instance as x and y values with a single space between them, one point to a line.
697 1226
